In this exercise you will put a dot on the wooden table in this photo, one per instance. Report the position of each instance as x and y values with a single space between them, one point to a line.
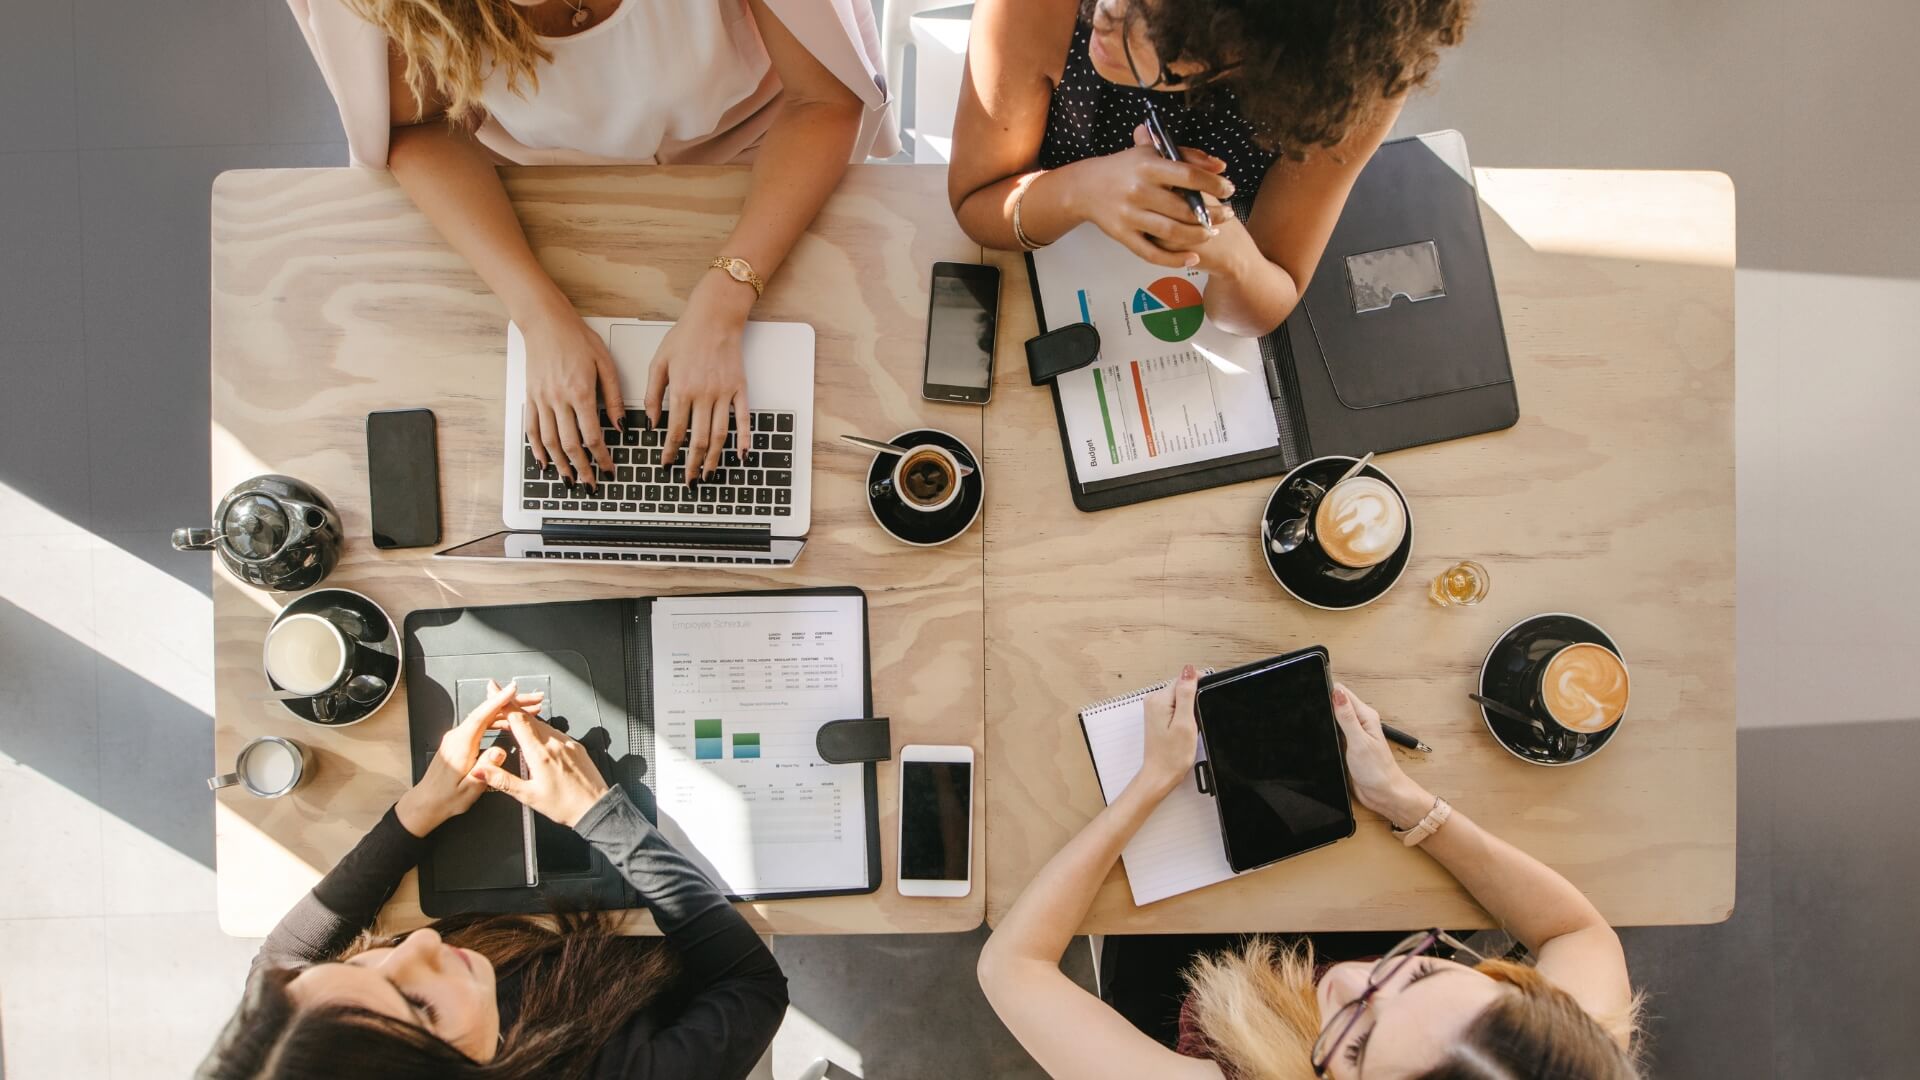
1612 498
332 296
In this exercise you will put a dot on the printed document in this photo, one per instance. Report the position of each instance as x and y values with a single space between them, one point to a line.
1170 388
740 686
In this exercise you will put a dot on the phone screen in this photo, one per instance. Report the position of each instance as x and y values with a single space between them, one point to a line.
961 319
936 814
403 478
1274 750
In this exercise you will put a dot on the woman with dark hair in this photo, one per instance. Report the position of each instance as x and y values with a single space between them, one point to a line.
507 996
1276 108
1422 1006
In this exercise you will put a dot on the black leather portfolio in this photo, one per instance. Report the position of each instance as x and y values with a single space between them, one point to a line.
1398 341
595 659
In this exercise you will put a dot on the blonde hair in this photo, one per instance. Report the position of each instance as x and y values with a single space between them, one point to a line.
1256 1012
452 46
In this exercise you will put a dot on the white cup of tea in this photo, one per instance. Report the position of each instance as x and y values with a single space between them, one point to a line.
306 654
268 767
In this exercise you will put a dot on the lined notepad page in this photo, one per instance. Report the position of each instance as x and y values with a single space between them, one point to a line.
1179 848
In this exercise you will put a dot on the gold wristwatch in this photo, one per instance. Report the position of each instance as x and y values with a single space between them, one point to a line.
739 270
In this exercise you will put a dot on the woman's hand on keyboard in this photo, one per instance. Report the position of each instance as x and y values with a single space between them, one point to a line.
700 361
569 371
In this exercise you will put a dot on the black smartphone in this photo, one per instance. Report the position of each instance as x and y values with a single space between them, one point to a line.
963 311
403 478
1275 762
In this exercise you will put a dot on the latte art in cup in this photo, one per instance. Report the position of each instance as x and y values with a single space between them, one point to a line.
1360 522
1584 688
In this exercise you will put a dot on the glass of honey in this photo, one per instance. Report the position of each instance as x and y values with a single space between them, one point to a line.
1463 584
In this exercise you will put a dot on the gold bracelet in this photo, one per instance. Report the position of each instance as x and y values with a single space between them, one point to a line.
1019 197
739 270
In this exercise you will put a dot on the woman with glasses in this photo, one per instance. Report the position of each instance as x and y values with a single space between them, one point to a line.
1276 107
1248 1008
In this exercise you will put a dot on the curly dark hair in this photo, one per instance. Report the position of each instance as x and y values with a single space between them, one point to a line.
1304 73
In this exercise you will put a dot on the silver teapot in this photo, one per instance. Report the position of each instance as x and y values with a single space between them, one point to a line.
272 532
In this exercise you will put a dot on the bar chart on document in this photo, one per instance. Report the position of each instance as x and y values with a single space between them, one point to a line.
1169 387
741 685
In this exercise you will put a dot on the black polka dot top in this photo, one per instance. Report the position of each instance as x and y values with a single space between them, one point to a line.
1091 117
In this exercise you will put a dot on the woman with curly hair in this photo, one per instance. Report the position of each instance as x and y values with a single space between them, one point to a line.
1276 107
507 997
1422 1007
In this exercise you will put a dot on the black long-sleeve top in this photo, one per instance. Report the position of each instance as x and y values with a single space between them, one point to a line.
734 992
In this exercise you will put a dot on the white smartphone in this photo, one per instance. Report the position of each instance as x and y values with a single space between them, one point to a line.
936 820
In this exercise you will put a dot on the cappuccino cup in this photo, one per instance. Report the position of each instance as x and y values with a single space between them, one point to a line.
1360 522
1584 688
268 767
926 478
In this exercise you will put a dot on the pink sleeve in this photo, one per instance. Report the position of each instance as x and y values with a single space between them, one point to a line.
352 54
841 34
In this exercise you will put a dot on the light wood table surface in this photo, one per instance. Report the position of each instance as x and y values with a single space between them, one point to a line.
1612 499
332 297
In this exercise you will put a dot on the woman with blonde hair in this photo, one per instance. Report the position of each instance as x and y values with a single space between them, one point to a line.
1263 1010
442 91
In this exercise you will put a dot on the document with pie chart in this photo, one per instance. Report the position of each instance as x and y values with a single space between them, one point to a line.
1169 389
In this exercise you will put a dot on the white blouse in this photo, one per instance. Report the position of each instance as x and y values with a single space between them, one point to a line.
658 80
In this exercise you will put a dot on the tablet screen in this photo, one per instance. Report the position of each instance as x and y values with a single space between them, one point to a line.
1273 747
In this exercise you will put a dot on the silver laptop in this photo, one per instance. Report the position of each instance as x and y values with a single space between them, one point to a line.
753 510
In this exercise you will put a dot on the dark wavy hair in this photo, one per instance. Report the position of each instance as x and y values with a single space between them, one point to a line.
1304 73
578 982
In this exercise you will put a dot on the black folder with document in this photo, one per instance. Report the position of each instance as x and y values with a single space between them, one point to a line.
724 718
1398 342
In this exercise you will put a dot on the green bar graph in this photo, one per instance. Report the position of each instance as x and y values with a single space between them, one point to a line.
706 740
746 744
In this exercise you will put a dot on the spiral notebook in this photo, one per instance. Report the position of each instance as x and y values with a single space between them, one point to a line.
1179 848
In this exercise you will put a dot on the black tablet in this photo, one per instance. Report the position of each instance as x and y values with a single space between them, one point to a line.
1274 760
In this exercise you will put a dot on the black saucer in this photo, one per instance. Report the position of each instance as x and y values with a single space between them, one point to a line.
1510 676
912 526
1306 572
381 638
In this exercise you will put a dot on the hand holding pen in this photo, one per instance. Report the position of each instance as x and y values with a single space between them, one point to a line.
1132 197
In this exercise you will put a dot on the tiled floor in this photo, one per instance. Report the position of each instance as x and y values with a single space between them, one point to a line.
118 114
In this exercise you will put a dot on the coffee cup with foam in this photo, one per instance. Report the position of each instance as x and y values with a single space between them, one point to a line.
1584 687
1360 521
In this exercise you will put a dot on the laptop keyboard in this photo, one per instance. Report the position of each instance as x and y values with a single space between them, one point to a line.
754 479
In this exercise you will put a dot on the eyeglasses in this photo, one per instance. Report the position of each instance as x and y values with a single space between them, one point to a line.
1334 1034
1165 78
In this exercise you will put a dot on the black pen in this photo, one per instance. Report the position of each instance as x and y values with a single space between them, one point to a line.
1400 738
1164 144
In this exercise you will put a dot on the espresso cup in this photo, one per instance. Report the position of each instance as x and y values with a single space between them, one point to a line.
926 478
1583 687
268 767
1360 522
316 655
